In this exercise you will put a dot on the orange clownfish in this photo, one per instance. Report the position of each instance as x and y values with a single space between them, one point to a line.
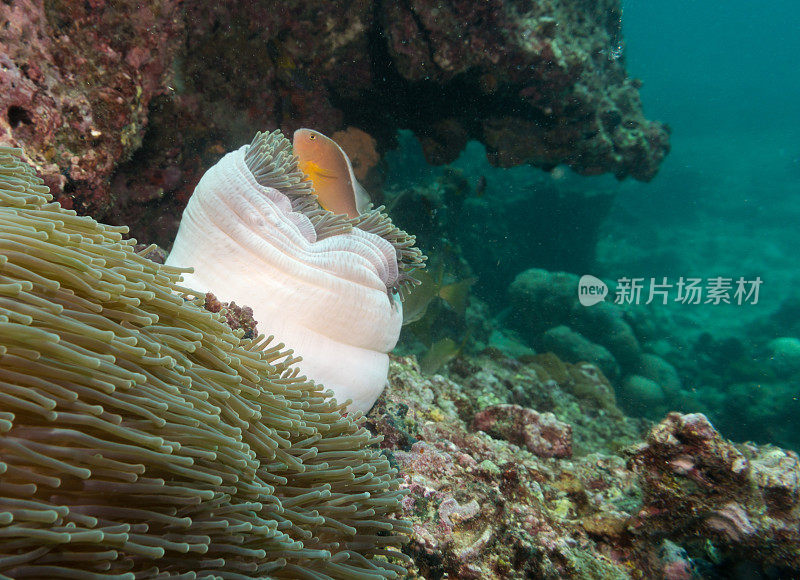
331 172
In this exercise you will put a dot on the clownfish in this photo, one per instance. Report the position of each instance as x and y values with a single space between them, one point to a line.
331 172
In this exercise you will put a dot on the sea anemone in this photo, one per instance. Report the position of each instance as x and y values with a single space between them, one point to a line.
140 437
326 285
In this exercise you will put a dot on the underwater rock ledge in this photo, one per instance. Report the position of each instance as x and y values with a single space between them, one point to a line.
542 83
537 82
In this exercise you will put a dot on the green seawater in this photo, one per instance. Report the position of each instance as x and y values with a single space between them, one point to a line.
724 211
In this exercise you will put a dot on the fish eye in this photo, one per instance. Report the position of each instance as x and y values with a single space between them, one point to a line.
312 136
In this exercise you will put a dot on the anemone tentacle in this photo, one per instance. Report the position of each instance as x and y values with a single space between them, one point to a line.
140 437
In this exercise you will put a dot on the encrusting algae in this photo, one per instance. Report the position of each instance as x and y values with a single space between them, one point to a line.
141 438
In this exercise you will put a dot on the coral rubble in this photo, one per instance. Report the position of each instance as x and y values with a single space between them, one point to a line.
682 503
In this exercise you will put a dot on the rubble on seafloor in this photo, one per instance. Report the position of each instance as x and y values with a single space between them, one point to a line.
671 500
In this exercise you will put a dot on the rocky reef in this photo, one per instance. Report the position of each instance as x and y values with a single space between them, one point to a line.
85 84
622 341
659 359
527 238
76 83
540 83
490 499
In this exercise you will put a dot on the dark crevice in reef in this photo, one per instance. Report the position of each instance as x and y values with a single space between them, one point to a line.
423 31
17 116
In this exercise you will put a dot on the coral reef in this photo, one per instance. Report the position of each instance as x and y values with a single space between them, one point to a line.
746 382
76 83
735 362
695 483
540 433
550 317
659 359
676 502
541 83
142 437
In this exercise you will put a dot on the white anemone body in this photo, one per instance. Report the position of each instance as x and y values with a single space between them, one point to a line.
325 299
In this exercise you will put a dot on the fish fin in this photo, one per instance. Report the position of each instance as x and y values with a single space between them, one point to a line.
311 168
363 202
418 299
415 316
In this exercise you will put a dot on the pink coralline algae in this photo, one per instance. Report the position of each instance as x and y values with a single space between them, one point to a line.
541 433
666 502
76 79
237 317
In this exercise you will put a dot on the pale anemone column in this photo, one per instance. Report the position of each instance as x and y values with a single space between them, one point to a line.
326 285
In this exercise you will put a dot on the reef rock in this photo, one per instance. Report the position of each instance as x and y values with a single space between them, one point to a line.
542 83
573 347
679 502
76 81
696 485
619 339
541 433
